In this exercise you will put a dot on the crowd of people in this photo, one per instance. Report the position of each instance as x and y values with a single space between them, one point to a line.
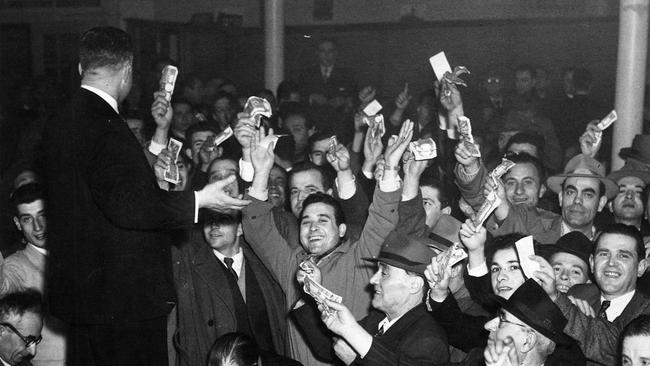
104 261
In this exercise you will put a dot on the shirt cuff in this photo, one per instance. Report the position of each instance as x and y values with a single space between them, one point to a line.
196 207
260 195
347 189
155 148
390 182
478 271
246 170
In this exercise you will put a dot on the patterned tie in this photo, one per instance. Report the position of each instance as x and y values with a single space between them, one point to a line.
601 313
229 262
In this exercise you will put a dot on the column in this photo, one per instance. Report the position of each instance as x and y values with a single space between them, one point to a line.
274 43
630 75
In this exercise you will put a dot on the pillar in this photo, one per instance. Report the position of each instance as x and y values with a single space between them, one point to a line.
274 43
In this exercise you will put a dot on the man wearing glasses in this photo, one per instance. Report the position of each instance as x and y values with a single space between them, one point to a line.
21 322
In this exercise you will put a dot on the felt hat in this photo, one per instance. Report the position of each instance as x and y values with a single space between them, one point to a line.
583 166
640 149
575 243
530 304
630 170
402 251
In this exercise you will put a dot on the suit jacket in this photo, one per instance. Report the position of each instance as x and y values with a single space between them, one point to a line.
415 339
598 338
107 219
206 309
341 80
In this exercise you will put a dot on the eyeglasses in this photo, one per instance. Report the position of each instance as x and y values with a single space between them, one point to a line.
502 319
29 340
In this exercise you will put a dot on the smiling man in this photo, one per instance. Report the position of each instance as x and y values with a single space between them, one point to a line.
617 261
398 331
583 190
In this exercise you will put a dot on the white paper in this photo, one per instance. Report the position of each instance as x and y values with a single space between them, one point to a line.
526 248
372 108
440 65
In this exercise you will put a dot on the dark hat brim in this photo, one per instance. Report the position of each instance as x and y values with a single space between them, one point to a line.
622 173
402 263
555 182
548 250
526 317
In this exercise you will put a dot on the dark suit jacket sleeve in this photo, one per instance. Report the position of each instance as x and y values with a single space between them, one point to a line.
412 218
318 337
356 207
464 331
597 338
126 197
480 290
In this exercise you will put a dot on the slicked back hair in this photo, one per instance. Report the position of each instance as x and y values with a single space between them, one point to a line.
627 230
325 198
102 47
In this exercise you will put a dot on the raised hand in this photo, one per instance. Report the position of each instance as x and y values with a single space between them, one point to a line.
161 111
465 158
472 237
545 276
404 98
366 95
398 144
262 156
413 168
438 278
372 148
449 95
339 158
591 139
163 161
244 129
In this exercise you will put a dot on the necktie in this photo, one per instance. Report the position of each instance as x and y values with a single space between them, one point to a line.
601 313
229 262
380 332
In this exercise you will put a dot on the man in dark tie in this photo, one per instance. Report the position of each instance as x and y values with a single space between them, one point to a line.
606 307
109 272
223 287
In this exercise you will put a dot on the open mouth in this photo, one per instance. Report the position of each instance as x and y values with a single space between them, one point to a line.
562 288
315 238
612 274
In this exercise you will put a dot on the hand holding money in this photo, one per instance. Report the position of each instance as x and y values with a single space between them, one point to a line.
262 155
308 268
590 140
339 319
398 144
244 129
472 237
424 149
545 276
338 156
172 174
161 111
257 108
438 275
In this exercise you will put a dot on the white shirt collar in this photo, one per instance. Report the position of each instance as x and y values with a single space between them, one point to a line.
565 229
238 260
617 305
4 363
386 324
40 250
104 95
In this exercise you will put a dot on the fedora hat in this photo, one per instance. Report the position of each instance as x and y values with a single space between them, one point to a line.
402 251
583 166
530 304
640 149
575 243
630 169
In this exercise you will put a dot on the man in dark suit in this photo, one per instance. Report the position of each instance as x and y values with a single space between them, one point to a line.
109 271
398 330
223 287
326 80
21 322
607 306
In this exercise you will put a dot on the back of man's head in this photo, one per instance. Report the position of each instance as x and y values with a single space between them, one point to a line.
105 47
